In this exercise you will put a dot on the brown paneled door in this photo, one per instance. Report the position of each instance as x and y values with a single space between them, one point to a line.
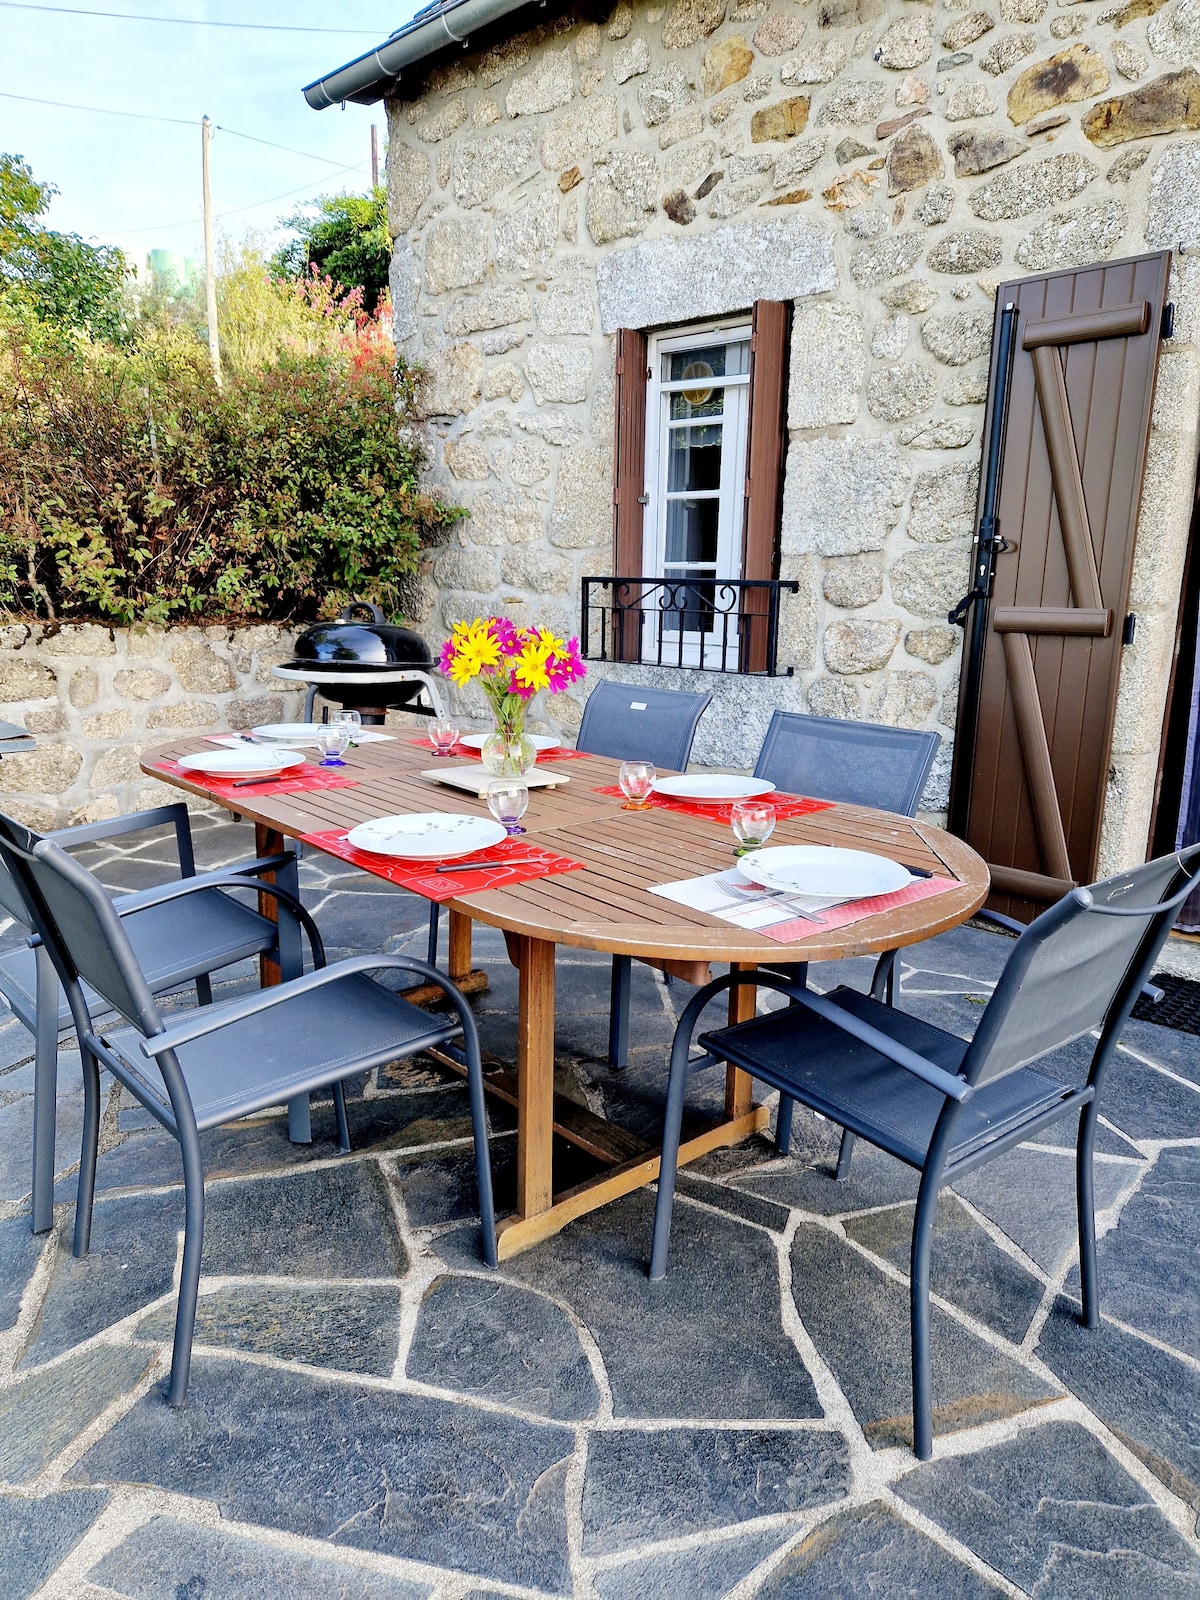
1086 353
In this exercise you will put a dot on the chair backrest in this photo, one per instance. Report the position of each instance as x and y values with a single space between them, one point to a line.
631 723
77 922
861 763
1080 966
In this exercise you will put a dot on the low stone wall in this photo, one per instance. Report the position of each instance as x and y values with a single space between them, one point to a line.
96 697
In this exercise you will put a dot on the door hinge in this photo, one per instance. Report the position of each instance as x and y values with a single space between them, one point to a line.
1130 628
1168 321
643 499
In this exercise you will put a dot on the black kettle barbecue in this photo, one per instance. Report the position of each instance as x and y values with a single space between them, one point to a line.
366 664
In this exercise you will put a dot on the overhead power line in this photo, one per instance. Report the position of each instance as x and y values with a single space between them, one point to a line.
185 22
194 222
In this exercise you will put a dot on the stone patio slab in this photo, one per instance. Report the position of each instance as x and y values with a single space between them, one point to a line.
707 1573
37 1536
427 1480
487 1338
16 1141
20 1252
859 1320
644 1486
350 1327
1057 1516
870 1551
167 1559
875 1179
1149 1399
42 1413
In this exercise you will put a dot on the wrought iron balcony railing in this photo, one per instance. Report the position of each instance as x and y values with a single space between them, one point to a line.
707 624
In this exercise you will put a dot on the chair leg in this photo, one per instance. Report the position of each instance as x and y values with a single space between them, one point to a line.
783 1124
664 1205
1089 1288
883 981
434 914
343 1126
87 1154
922 1375
845 1154
483 1160
45 1092
189 1277
618 1012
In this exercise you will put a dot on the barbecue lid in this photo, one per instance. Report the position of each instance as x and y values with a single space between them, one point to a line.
349 644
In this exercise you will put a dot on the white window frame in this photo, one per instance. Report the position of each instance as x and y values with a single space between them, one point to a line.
731 493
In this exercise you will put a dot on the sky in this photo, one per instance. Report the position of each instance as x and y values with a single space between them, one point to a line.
136 184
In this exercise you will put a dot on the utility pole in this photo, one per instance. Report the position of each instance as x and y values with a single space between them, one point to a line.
210 264
374 157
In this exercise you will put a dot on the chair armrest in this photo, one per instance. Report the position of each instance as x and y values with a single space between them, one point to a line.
196 1024
1009 924
947 1083
219 877
228 880
110 827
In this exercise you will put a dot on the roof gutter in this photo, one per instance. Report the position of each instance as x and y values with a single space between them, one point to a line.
369 77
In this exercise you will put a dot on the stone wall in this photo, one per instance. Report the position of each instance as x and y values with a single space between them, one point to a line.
884 166
97 697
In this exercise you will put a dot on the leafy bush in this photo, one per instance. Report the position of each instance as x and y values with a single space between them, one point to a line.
342 236
133 488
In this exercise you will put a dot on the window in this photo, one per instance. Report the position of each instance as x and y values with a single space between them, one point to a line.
698 491
697 404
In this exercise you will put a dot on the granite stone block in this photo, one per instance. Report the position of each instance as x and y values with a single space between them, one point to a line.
36 1536
487 1338
1054 1513
645 1486
167 1559
427 1480
871 1551
859 1320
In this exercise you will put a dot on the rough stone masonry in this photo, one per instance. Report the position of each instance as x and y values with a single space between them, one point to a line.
882 165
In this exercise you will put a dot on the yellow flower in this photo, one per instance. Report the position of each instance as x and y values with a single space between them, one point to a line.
530 667
476 648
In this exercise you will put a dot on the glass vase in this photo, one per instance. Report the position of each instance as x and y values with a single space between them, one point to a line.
507 751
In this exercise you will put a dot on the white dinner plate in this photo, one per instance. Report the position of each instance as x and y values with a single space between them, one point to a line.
824 870
427 835
244 763
288 732
539 741
712 788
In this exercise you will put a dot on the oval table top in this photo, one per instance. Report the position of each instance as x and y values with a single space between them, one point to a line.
608 906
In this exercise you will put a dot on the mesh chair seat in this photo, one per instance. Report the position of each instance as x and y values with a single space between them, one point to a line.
175 944
852 1084
299 1045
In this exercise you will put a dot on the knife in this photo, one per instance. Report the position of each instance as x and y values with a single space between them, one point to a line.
470 866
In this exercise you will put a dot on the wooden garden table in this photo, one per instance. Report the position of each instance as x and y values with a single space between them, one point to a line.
607 907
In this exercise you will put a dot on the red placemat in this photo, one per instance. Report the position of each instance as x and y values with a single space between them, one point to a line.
857 910
312 777
786 805
516 862
469 753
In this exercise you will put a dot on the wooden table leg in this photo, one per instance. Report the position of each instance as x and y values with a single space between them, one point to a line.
535 1078
458 964
269 842
739 1086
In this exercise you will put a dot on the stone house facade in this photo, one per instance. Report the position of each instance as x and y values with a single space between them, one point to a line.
881 166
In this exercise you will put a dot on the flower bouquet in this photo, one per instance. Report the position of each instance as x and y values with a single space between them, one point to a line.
511 665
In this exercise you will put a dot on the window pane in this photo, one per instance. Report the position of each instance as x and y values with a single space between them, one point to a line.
694 459
692 530
687 607
707 361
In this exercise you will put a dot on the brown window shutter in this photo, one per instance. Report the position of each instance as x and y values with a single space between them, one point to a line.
629 477
764 469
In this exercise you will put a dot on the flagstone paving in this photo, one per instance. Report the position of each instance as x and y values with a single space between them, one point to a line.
375 1415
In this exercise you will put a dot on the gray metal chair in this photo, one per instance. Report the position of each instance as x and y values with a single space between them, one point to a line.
177 945
934 1101
218 1063
629 723
857 763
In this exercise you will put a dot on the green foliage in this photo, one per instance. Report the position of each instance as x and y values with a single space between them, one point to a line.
57 276
344 237
132 488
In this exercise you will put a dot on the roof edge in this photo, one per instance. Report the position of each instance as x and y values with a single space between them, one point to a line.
371 76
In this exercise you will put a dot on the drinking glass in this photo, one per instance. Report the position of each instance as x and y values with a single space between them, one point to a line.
507 799
333 740
753 823
348 719
637 782
443 735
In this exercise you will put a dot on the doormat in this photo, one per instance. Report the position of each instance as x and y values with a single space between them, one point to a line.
1179 1007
